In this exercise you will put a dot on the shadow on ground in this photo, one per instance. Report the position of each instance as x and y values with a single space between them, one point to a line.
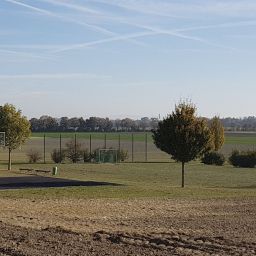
47 182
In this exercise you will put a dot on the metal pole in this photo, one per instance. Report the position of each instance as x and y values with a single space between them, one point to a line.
75 149
105 141
44 148
60 148
90 144
119 146
132 147
146 147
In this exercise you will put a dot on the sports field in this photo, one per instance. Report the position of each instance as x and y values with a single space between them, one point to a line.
128 209
241 141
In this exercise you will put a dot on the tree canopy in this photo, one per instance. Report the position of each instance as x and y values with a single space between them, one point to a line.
183 135
15 126
217 131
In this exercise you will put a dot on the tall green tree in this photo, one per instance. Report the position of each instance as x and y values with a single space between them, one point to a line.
15 126
217 131
183 135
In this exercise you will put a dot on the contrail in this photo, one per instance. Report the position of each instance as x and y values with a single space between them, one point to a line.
107 40
45 12
72 6
145 10
25 54
90 26
152 32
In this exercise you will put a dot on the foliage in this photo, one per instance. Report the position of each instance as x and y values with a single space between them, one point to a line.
183 135
245 159
213 158
57 156
87 157
34 156
217 131
122 155
74 151
15 126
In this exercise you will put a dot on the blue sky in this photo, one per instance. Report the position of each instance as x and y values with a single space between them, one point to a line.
133 58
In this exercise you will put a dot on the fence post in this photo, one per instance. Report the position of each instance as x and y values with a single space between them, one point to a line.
90 144
60 148
119 146
105 141
146 147
75 149
44 149
132 147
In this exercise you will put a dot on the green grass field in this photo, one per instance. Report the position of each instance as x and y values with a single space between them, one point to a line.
231 138
143 180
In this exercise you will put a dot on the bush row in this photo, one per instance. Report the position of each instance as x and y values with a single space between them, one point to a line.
237 158
75 153
243 159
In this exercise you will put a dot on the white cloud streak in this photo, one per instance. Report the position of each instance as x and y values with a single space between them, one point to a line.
185 9
139 8
66 19
25 54
55 76
86 10
72 6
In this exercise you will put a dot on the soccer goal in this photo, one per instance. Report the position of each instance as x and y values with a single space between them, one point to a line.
2 139
107 156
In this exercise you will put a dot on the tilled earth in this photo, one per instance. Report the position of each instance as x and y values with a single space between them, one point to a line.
128 227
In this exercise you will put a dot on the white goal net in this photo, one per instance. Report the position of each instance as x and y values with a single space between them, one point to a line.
107 156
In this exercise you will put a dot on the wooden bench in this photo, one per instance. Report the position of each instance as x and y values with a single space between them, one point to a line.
34 170
43 171
26 169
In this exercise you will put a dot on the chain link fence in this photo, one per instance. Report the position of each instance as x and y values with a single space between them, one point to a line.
139 146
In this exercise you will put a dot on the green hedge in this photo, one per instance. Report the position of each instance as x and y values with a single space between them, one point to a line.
213 158
245 159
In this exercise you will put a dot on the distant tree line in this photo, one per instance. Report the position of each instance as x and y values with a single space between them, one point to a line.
92 124
97 124
239 124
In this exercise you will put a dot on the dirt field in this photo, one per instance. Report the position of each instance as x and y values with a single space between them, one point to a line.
127 227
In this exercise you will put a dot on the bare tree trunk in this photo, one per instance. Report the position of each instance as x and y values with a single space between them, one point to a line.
183 175
10 160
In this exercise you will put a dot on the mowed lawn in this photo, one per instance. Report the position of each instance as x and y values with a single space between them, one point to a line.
232 138
140 180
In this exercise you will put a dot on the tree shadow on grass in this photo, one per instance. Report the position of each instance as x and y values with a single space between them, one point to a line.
47 182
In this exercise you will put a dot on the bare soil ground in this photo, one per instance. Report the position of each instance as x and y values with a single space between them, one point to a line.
127 227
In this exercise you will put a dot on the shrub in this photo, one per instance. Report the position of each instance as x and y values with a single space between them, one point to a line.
245 159
57 156
122 155
213 158
34 156
74 151
87 156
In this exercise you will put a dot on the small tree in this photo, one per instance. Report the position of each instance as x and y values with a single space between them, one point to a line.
57 156
34 156
183 135
217 131
74 151
15 126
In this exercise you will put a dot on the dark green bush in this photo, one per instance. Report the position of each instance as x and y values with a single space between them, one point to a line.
246 159
87 156
213 158
74 151
57 156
